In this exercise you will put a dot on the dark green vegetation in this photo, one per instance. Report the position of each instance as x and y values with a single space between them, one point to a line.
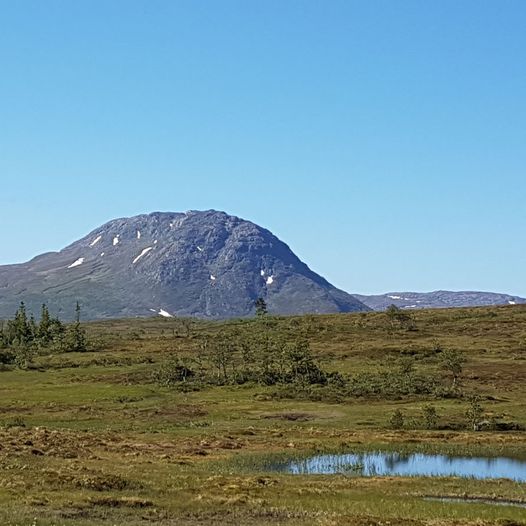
22 337
169 421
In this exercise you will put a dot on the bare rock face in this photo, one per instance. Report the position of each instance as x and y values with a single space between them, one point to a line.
206 264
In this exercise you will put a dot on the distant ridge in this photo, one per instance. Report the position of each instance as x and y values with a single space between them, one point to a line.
207 264
438 299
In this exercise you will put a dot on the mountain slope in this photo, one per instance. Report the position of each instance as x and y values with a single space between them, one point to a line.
206 264
438 299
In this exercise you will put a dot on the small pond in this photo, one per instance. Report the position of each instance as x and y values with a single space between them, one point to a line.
413 464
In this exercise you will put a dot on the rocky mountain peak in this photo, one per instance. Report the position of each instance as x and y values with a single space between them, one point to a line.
198 263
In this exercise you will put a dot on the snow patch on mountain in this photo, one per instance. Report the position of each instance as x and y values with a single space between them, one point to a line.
143 253
77 262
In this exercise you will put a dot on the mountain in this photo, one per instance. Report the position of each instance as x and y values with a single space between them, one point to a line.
207 264
438 299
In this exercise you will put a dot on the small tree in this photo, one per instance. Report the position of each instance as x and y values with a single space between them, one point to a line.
261 307
221 354
44 327
474 413
396 421
430 416
19 329
185 326
399 319
301 365
453 362
23 355
75 339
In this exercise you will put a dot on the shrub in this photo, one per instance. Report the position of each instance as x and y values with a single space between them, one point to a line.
474 413
396 421
430 416
390 384
172 372
399 319
7 357
16 421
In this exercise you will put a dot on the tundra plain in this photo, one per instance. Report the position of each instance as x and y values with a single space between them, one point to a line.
113 436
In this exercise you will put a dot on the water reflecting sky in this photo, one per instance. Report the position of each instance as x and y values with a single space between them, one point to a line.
415 464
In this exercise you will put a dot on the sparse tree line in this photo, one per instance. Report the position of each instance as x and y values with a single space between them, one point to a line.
263 358
474 419
22 337
401 380
261 354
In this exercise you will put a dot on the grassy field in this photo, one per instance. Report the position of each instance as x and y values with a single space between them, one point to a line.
91 438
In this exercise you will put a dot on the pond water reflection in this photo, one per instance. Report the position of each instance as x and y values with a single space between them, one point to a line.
412 464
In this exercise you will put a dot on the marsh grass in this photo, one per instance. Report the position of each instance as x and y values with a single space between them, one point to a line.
197 457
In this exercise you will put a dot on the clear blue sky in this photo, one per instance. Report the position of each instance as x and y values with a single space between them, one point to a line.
384 141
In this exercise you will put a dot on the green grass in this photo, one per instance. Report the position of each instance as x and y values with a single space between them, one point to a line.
101 444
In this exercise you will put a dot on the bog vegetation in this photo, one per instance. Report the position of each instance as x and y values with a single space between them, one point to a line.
166 421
